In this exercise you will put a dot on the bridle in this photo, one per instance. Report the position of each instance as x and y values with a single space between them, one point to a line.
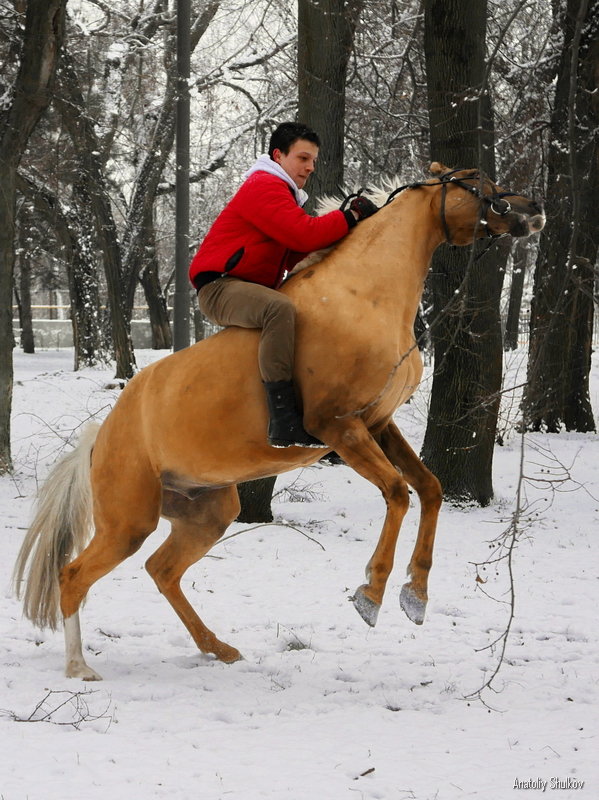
494 202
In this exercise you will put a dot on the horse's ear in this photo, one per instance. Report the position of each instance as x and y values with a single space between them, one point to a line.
437 168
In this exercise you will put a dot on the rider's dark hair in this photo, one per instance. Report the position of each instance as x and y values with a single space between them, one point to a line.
289 132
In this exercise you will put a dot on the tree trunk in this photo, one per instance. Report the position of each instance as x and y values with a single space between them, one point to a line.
519 267
159 322
85 141
84 291
325 38
557 393
25 315
255 498
466 330
42 39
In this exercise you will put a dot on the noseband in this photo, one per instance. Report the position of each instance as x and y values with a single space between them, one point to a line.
494 202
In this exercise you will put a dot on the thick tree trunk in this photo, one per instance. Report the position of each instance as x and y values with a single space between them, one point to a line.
557 393
466 330
255 498
325 38
42 39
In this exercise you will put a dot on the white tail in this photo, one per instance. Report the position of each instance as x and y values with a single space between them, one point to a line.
58 533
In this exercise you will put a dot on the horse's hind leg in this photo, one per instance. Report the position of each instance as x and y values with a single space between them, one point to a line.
196 525
105 551
122 523
75 664
414 594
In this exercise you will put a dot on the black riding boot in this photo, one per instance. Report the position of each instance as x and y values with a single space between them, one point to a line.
286 428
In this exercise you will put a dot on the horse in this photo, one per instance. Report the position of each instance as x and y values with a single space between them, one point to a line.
191 426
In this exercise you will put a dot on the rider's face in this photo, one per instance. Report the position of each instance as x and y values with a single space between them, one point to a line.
300 162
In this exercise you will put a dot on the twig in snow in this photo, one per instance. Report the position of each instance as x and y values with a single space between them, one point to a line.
47 708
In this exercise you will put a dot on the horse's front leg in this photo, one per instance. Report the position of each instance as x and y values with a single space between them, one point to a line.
414 594
353 442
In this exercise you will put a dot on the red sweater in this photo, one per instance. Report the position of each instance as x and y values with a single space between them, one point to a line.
257 233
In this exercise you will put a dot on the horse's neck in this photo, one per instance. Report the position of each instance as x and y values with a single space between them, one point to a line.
392 250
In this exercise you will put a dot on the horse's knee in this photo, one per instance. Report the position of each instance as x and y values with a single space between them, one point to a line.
167 565
160 570
396 493
431 493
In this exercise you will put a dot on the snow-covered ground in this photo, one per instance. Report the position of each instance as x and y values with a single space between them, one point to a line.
322 707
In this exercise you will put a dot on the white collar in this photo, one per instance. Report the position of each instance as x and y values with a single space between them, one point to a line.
264 163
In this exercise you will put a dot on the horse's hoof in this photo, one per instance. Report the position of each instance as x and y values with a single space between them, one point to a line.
366 608
229 655
412 605
75 669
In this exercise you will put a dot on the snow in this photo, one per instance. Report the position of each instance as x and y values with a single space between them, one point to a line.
322 706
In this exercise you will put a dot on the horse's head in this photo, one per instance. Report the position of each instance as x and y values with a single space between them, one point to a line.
472 206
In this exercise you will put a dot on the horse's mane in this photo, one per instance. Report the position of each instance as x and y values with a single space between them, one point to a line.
377 194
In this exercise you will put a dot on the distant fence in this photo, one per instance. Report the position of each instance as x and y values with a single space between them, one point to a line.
52 334
63 312
54 330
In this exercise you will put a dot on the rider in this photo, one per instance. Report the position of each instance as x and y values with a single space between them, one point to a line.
261 234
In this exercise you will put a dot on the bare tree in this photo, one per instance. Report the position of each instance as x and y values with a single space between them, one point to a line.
71 102
557 393
466 332
42 39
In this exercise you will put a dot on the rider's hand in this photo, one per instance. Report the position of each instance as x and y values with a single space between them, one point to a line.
362 207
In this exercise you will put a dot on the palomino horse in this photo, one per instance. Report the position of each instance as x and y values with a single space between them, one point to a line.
191 426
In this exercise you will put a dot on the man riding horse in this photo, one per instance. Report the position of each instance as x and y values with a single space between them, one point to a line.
356 362
260 235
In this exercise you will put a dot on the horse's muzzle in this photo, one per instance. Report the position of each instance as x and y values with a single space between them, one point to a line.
524 225
536 223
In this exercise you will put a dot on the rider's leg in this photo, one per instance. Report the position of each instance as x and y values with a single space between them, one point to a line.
230 301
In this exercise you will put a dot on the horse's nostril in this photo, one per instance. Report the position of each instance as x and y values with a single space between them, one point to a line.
536 223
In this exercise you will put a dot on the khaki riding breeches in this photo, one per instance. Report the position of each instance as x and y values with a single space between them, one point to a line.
230 301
